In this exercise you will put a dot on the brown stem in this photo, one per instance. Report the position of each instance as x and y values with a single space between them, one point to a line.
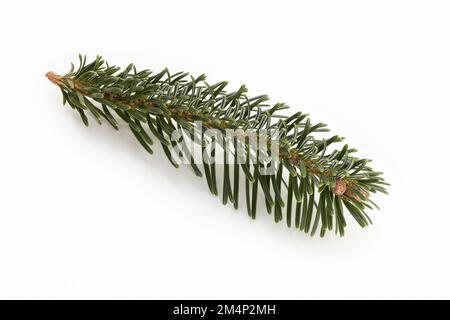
293 158
53 77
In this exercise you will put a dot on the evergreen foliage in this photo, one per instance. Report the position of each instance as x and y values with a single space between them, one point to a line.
312 185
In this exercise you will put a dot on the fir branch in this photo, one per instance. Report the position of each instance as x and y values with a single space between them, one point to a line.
320 182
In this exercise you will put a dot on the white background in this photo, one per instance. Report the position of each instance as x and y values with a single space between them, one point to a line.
86 213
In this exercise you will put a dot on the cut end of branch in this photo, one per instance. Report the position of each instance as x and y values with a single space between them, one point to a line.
53 77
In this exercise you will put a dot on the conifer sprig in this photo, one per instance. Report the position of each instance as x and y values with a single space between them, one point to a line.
310 186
